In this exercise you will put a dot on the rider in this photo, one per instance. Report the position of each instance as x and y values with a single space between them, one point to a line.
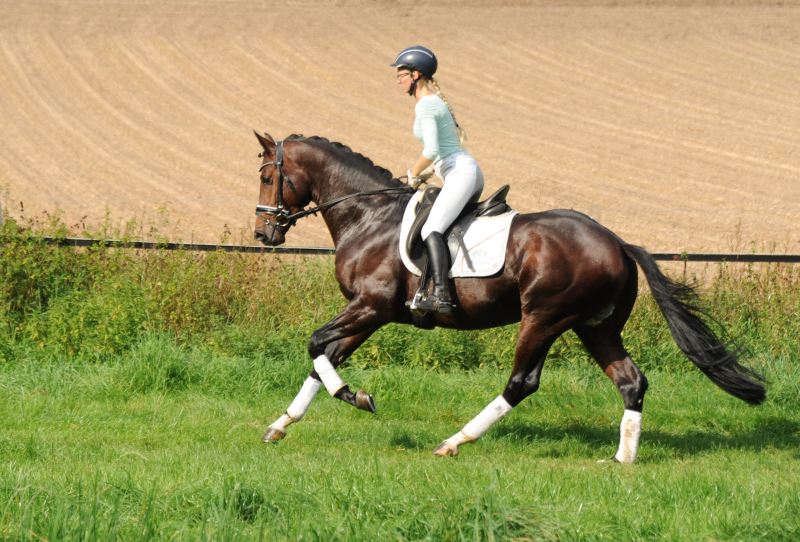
443 141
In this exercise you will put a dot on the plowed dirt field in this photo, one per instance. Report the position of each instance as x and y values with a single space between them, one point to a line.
676 124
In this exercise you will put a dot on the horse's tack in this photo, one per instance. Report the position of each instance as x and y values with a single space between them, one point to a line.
492 206
283 218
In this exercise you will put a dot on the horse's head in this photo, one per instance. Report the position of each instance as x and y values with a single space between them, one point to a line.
284 192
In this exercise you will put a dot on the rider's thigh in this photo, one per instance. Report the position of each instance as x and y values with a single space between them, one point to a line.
463 183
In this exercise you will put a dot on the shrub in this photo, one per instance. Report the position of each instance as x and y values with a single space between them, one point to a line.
94 303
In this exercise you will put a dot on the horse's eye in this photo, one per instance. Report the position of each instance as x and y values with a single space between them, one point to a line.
266 180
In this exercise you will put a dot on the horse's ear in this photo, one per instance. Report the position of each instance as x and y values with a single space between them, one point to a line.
267 143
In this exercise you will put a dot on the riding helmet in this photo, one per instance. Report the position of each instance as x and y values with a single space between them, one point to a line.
417 58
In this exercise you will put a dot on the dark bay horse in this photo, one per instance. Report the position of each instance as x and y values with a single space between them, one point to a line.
562 271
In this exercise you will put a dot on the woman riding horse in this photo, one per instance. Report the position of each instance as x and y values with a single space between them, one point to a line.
443 141
562 271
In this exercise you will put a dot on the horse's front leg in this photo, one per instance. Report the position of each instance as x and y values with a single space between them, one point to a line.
296 410
324 369
334 342
330 346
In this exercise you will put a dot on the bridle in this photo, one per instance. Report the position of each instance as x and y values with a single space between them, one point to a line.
284 219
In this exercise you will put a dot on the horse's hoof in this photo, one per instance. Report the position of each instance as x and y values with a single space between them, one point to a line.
364 401
446 449
273 435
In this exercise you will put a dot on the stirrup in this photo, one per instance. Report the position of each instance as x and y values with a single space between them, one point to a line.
413 305
422 304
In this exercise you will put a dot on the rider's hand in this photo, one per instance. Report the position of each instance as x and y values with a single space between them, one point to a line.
414 181
426 174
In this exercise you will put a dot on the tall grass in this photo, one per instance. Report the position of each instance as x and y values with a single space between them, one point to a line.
97 303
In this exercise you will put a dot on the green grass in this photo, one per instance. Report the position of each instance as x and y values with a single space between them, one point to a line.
164 444
135 387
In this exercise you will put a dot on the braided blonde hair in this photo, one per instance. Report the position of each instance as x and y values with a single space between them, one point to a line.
462 134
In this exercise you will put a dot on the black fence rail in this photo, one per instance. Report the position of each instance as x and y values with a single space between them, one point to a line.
194 247
713 257
317 251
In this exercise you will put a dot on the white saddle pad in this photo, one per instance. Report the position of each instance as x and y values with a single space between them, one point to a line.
485 239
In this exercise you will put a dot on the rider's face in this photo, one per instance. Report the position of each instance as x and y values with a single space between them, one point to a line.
405 79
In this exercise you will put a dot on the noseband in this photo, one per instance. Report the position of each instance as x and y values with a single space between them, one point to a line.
284 219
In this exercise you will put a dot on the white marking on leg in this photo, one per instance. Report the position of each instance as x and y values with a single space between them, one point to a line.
328 374
299 406
475 429
629 432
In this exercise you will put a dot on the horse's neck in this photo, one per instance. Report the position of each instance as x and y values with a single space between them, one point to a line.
356 216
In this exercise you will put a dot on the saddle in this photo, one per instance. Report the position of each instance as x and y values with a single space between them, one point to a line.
492 206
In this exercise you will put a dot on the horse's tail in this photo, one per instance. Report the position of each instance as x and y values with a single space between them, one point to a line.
679 305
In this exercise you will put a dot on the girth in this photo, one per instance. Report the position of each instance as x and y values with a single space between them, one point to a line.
492 206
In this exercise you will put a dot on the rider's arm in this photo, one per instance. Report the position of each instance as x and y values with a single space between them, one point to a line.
426 115
421 165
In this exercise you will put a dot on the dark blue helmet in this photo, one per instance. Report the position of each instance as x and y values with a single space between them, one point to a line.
417 58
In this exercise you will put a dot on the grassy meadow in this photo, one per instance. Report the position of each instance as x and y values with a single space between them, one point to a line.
135 387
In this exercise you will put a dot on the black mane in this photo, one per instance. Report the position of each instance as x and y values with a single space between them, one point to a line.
352 159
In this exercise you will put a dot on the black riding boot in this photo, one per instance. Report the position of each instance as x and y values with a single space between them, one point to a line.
439 261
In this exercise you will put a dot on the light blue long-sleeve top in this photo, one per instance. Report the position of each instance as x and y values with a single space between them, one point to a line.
435 128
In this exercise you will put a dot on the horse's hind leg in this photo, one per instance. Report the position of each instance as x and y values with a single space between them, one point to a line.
338 350
532 348
605 345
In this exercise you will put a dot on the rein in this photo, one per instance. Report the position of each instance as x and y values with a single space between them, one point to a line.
283 218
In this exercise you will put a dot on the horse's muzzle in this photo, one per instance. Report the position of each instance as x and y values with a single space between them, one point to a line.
272 238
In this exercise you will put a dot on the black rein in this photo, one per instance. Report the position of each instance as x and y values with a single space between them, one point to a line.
283 219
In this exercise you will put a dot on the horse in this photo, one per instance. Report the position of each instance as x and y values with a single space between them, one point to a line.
562 271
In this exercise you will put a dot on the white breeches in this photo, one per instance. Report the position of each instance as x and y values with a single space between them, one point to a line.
463 183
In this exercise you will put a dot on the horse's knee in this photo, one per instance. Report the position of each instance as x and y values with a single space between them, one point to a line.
336 350
317 344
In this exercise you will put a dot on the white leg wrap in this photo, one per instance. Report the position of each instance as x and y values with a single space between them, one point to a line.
328 374
299 406
629 432
481 423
